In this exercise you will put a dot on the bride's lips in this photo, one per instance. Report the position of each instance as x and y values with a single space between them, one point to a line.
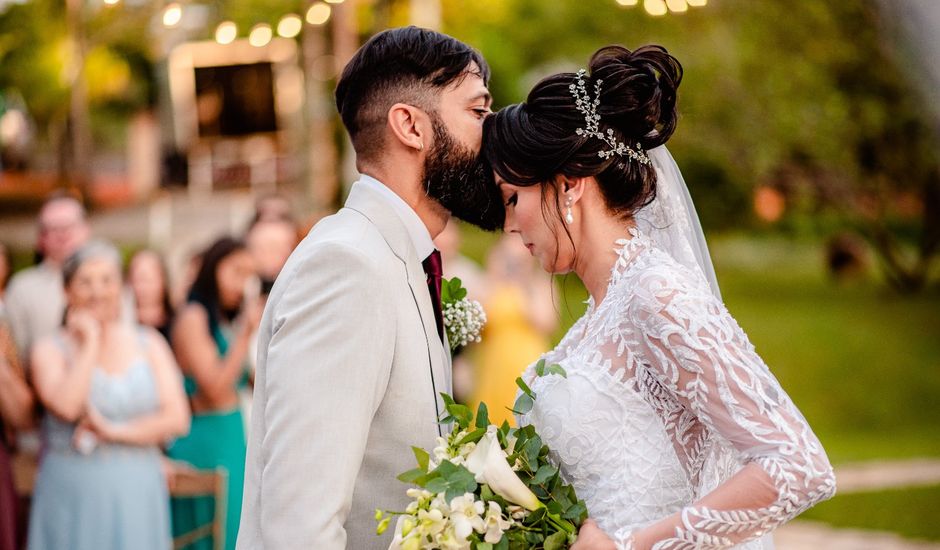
531 248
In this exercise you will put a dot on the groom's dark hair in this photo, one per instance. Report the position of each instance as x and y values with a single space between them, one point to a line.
402 65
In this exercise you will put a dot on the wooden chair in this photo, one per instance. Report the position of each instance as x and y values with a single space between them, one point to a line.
24 473
186 482
183 482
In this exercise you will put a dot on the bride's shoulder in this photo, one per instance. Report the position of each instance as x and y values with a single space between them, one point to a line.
658 281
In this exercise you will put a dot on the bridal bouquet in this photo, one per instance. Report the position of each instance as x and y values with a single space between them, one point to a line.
486 488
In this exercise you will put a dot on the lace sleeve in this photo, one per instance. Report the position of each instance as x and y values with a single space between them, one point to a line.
699 353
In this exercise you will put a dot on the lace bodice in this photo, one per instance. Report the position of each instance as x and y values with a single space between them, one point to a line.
667 414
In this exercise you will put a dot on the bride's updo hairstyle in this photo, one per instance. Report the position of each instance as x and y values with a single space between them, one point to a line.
532 142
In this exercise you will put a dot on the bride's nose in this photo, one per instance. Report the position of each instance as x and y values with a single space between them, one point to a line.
509 224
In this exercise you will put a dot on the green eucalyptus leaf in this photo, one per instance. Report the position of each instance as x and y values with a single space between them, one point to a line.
454 481
473 436
532 449
540 368
556 541
483 417
577 512
544 474
422 456
461 413
557 369
523 405
524 387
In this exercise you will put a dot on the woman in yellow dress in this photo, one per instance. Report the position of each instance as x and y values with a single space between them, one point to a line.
520 308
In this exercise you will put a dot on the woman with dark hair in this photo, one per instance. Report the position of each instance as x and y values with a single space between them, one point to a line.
149 284
112 397
211 338
669 425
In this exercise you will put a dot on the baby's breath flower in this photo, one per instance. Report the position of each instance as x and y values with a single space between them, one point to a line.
464 320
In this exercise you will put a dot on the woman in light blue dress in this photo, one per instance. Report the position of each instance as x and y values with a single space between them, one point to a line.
112 395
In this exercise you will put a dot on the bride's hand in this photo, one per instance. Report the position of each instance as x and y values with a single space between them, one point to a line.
590 537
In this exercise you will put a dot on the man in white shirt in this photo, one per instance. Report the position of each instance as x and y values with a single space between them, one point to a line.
35 299
352 353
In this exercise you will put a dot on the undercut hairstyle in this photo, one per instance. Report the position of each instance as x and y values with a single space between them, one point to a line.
403 65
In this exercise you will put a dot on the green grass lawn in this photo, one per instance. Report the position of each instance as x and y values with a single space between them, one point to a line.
862 363
910 513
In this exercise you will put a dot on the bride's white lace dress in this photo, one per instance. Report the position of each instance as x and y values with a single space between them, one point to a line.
665 399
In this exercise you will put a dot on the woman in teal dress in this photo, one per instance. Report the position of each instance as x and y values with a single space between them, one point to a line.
211 338
112 396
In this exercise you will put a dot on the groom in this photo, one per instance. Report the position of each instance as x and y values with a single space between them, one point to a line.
352 353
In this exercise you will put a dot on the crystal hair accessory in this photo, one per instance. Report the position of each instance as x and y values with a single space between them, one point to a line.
588 108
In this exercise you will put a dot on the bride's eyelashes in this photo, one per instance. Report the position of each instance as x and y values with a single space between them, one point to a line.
513 199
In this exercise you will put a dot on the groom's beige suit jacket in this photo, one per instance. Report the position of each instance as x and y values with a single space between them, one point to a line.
349 367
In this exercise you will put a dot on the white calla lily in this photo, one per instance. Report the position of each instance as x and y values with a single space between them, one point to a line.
489 465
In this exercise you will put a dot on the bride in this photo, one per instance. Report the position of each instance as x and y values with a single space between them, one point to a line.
668 424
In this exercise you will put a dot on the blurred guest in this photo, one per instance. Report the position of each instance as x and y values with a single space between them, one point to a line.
35 299
273 207
520 311
149 284
270 243
113 396
211 338
458 265
16 413
6 269
472 278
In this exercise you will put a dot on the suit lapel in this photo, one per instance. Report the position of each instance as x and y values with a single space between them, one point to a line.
372 206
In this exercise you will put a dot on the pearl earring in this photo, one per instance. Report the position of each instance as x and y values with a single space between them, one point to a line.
569 217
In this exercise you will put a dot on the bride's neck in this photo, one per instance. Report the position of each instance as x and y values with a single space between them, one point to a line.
597 251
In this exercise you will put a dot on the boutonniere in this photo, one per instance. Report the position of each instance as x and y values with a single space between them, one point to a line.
463 318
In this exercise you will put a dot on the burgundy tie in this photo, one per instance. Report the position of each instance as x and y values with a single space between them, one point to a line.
434 271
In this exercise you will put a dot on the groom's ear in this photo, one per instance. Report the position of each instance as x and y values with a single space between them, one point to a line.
409 125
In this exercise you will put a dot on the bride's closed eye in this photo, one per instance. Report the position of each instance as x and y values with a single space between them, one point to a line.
513 199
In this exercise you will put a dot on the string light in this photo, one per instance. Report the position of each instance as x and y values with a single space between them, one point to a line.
226 32
260 35
677 6
319 13
662 7
290 26
172 15
655 7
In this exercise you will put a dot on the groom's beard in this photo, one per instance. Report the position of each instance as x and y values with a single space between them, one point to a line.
462 182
